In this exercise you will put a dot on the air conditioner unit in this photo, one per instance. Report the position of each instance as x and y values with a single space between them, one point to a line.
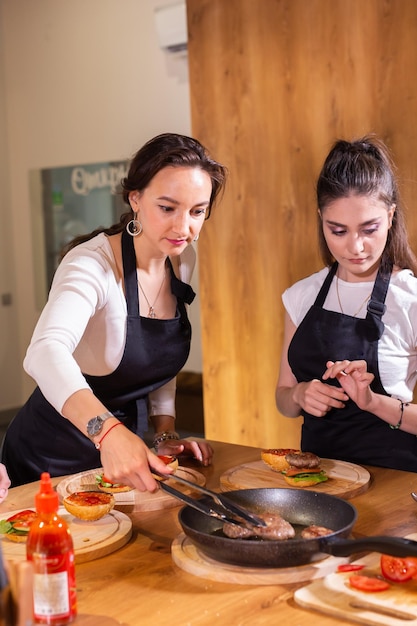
171 27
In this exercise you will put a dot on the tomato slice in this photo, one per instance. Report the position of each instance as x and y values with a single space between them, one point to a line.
27 515
350 567
295 471
397 569
411 562
104 479
368 583
105 482
166 459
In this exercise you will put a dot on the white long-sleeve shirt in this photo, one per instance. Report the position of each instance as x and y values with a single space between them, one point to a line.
83 326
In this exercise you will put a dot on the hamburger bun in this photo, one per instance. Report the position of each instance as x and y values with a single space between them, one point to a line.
275 458
89 505
106 485
16 538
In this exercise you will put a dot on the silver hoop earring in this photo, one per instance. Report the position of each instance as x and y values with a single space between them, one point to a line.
196 238
134 227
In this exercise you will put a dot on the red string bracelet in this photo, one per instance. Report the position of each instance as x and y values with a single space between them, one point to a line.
98 444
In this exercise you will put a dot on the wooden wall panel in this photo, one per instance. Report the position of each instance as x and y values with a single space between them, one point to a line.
273 84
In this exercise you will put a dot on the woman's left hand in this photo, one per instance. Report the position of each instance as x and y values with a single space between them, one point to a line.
200 450
353 378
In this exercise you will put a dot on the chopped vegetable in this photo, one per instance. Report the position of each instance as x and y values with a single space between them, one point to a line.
350 567
105 482
166 459
18 524
300 475
368 583
411 561
398 570
5 527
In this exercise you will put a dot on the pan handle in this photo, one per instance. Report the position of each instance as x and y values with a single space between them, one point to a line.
394 546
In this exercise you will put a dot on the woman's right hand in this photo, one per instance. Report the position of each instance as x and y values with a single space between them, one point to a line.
314 397
318 398
127 459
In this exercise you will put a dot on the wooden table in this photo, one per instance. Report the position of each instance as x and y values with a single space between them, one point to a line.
140 584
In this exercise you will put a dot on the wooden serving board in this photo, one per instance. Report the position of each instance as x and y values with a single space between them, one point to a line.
346 480
333 596
187 556
92 540
131 501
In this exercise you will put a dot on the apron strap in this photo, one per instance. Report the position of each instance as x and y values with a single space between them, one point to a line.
129 274
321 296
181 290
376 305
141 417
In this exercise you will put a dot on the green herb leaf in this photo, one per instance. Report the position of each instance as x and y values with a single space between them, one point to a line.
5 527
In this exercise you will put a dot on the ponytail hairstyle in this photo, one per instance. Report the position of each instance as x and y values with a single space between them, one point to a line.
364 168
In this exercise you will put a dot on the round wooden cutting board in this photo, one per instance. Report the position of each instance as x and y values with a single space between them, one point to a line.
92 540
346 480
131 501
188 558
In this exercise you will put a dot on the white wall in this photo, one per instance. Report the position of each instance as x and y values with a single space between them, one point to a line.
10 368
80 81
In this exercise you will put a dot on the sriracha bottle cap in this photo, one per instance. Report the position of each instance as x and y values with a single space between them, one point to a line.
46 500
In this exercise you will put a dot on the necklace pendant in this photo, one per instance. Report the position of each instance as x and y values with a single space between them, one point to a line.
151 312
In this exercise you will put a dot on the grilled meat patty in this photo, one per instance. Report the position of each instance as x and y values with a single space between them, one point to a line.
277 529
313 531
303 460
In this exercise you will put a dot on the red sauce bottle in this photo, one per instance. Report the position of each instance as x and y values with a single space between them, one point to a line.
50 548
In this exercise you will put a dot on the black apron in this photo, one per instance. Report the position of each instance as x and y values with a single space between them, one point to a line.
40 440
348 434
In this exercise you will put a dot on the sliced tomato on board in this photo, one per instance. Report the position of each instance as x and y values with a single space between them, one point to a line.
368 583
398 570
350 567
411 562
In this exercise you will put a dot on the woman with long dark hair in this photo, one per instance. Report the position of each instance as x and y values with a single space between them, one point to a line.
349 360
115 332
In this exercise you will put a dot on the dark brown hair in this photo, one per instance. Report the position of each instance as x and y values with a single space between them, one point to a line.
168 149
364 167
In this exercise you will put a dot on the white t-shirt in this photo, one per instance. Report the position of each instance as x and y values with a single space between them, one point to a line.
83 326
397 352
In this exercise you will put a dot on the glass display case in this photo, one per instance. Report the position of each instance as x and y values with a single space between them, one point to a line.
71 201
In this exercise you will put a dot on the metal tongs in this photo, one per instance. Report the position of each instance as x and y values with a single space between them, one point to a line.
222 507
